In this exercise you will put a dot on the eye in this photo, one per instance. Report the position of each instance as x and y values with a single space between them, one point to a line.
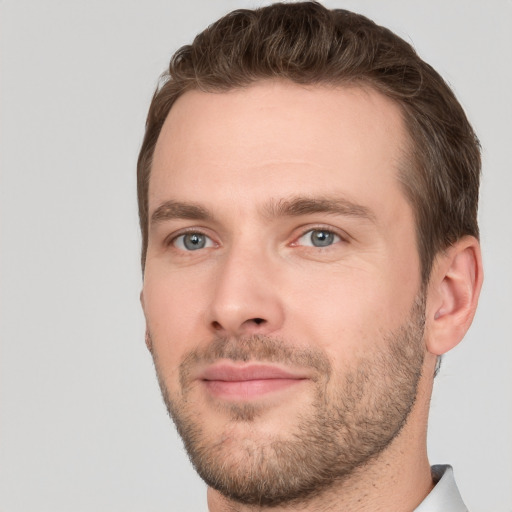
192 241
318 238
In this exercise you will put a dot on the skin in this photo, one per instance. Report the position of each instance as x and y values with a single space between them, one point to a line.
241 154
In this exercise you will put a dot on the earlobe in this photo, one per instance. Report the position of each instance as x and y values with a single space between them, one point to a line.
149 341
454 288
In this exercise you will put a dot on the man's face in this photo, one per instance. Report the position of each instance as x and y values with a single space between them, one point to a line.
282 285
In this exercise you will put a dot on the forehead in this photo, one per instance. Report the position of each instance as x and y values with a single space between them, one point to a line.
273 136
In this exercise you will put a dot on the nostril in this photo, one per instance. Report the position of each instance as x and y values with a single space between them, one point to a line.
217 326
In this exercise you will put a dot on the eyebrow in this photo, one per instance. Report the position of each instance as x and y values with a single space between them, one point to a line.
293 207
298 206
177 210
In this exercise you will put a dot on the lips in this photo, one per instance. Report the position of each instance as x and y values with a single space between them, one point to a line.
246 382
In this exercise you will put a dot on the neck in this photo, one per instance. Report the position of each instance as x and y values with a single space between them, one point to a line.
401 490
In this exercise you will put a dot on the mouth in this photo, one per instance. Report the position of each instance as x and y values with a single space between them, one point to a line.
247 382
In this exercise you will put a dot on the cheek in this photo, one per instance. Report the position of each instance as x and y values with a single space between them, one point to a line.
172 307
350 311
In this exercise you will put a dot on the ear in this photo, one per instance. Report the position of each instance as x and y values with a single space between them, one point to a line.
149 341
453 291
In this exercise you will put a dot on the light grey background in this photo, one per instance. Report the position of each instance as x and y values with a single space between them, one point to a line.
82 426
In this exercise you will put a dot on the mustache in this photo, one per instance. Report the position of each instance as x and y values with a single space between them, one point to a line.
256 347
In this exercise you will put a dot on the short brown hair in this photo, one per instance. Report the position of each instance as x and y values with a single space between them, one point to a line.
310 44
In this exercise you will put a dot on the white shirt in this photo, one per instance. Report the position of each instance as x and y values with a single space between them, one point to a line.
445 496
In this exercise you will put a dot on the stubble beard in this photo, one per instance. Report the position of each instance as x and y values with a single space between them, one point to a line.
350 420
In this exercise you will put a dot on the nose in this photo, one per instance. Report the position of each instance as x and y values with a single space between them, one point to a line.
247 297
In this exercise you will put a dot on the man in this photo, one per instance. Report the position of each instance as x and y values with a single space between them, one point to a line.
308 195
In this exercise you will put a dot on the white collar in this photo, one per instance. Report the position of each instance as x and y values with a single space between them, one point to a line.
445 496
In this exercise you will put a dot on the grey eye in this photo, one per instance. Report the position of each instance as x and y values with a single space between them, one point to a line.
322 238
319 238
192 241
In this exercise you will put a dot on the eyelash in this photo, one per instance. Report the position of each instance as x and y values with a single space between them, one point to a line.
170 241
327 229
